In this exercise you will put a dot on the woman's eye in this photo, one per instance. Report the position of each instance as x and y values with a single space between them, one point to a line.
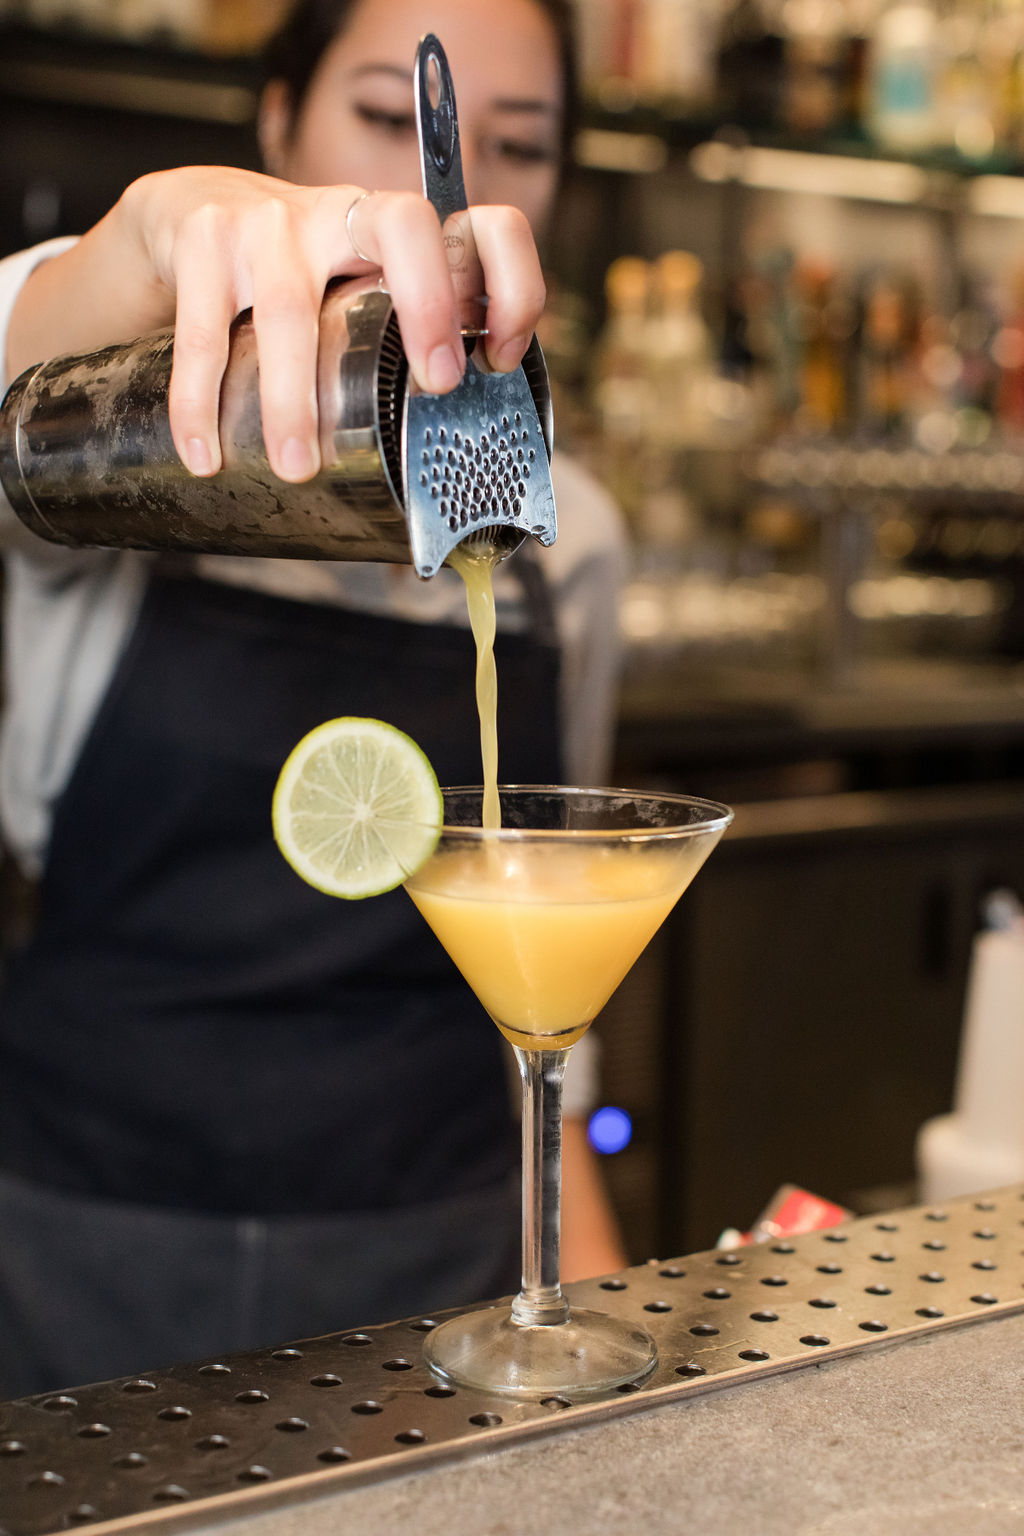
523 151
396 123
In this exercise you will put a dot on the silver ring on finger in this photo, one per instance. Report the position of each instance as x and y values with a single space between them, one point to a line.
353 242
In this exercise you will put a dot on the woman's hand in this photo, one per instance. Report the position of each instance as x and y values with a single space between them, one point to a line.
194 247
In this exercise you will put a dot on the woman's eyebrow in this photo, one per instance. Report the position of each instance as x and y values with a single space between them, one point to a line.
396 70
538 108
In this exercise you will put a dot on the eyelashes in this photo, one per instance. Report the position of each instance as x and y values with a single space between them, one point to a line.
396 124
400 125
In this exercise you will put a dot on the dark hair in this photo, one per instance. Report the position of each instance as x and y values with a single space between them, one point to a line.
295 50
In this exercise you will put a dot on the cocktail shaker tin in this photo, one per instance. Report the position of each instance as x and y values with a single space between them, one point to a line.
86 455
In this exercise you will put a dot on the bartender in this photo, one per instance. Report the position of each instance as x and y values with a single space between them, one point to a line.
232 1110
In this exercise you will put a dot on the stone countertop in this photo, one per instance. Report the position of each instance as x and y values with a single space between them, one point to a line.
921 1437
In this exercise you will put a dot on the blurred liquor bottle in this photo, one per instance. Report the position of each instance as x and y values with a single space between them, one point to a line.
819 66
889 335
621 388
751 64
901 104
826 329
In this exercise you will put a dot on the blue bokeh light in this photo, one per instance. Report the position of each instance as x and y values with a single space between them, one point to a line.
609 1129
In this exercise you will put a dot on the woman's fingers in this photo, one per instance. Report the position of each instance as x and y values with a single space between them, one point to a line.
255 241
514 283
287 290
400 232
206 306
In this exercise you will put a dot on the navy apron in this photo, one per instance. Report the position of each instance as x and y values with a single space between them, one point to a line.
192 1029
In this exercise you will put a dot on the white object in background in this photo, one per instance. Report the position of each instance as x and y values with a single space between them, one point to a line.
981 1144
901 94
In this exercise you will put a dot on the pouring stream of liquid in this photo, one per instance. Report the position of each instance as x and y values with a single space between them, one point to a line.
476 567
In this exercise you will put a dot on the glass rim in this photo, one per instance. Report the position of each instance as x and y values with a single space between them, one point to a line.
718 818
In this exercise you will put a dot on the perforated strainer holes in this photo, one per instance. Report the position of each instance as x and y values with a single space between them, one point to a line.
836 1237
657 1306
823 1303
985 1299
397 1365
985 1233
131 1461
729 1260
334 1455
555 1402
411 1437
293 1425
874 1325
754 1354
171 1493
932 1277
934 1246
930 1312
256 1474
936 1216
691 1369
472 478
60 1404
764 1316
357 1340
984 1264
174 1413
878 1290
12 1448
139 1385
703 1330
672 1272
439 1392
326 1380
883 1256
614 1285
83 1512
423 1325
814 1340
252 1395
368 1406
293 1354
717 1293
783 1248
215 1369
486 1420
774 1280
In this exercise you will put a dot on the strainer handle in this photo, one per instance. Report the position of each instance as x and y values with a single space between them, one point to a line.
437 125
438 128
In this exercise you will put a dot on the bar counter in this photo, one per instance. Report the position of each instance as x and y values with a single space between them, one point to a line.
861 1379
921 1438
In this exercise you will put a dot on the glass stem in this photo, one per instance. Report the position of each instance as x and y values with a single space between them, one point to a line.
541 1301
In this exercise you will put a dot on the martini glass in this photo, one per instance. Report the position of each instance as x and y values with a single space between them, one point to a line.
544 917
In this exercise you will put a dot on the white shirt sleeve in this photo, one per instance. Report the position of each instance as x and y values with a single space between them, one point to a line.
68 613
14 272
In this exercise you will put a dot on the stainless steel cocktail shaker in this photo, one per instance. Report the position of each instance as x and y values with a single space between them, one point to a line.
86 456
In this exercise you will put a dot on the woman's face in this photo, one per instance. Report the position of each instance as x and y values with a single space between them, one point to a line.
357 123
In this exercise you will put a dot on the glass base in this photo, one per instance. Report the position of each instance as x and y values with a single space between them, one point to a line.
588 1354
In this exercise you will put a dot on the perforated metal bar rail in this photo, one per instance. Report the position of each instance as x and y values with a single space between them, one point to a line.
201 1442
